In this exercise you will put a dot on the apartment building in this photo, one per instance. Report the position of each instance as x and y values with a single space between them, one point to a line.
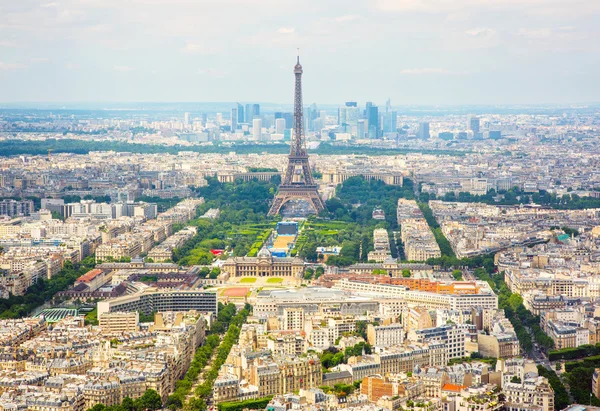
152 300
114 323
385 335
453 337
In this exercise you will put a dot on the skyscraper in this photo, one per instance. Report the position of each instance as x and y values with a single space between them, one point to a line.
347 117
424 131
186 118
252 111
288 117
361 128
248 116
257 129
240 113
280 126
373 119
474 124
390 120
234 119
311 115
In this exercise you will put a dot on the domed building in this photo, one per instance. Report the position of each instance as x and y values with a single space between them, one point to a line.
264 265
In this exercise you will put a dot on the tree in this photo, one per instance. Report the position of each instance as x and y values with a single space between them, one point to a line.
406 273
128 404
515 301
214 273
361 329
515 379
308 273
457 274
149 401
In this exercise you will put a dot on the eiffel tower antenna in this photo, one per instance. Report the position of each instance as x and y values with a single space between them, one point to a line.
292 187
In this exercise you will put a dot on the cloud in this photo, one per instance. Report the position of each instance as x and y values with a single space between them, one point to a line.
11 66
432 6
192 48
123 69
287 30
7 43
39 60
71 66
543 33
453 6
482 32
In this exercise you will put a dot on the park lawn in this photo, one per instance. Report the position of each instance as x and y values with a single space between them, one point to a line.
248 280
274 280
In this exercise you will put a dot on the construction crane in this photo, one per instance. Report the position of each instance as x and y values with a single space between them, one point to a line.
49 151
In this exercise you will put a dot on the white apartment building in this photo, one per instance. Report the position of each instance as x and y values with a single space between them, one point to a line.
385 335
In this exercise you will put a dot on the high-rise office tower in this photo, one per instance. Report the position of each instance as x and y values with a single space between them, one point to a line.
240 113
186 118
367 109
279 125
347 117
318 124
234 119
219 119
351 104
390 122
474 124
388 105
361 128
423 130
373 119
257 129
288 117
252 111
311 115
248 116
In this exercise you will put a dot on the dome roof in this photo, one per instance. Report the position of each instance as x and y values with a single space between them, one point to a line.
264 253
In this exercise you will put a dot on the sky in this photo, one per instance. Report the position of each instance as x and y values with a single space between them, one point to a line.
415 52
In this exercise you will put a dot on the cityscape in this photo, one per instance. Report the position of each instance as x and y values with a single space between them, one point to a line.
364 255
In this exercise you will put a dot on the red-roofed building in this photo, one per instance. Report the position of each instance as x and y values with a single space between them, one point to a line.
93 279
455 388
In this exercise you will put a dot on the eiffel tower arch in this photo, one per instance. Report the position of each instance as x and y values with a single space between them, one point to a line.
298 183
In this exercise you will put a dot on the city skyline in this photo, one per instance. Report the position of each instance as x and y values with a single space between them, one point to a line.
414 52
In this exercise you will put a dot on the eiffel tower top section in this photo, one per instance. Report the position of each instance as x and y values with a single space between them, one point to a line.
298 144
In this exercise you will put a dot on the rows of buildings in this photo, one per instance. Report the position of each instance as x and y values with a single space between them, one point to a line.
477 228
381 246
418 241
408 349
38 246
72 367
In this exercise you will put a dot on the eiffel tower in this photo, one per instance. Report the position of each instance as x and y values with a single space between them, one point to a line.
299 186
